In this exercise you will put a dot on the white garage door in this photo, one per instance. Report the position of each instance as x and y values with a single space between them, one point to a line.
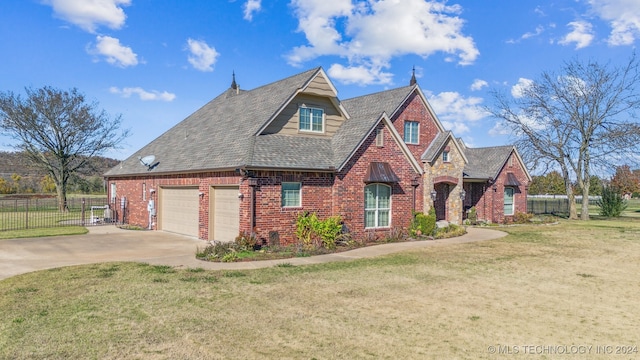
179 210
225 213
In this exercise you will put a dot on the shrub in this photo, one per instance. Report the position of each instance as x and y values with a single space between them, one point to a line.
611 204
522 218
246 241
423 225
215 250
320 233
472 216
452 230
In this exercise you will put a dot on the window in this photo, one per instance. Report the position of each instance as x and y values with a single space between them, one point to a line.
508 201
380 137
411 132
311 119
291 194
377 206
445 156
113 193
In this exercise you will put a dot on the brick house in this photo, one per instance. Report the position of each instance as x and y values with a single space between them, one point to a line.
252 160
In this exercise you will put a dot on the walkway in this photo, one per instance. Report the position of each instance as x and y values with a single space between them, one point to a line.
109 243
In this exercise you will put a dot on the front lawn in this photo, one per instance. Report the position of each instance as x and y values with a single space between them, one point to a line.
550 287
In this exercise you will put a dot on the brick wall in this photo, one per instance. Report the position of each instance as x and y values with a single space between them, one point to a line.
348 190
488 198
448 202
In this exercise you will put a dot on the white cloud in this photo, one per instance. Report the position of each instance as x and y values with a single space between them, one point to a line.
251 7
456 111
624 18
582 34
517 90
202 56
360 75
478 84
370 33
500 128
89 14
114 52
143 94
539 30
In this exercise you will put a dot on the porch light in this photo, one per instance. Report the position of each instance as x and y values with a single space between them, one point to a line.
463 194
433 194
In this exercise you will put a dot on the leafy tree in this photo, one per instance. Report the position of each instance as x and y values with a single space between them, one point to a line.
551 183
58 131
47 185
624 180
5 187
576 120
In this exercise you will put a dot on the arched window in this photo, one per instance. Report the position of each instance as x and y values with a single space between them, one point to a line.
377 206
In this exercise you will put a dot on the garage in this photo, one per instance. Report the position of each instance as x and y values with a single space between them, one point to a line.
225 213
179 210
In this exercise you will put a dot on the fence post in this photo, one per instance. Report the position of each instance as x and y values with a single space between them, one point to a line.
82 212
26 220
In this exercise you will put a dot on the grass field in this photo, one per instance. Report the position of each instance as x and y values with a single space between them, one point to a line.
557 291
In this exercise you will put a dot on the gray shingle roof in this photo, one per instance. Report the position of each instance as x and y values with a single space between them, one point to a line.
222 134
485 163
432 151
365 111
218 135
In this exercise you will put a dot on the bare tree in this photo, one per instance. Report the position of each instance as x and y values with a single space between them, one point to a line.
58 131
578 120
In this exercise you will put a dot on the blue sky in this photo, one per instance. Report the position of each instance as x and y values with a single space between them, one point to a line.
156 62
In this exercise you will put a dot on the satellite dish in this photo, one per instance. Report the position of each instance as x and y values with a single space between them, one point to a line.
148 161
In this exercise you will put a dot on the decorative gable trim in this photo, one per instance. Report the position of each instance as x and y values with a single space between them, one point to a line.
396 137
334 99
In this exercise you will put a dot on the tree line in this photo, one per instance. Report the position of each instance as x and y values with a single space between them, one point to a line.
624 181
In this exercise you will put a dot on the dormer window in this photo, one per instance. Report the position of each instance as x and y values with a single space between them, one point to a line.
311 119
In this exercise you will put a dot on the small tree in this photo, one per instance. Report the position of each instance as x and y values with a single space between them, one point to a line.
611 204
58 131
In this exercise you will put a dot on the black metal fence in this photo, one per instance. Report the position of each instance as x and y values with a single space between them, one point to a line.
31 213
550 205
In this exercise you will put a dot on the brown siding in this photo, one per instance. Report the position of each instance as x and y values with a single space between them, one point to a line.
319 86
287 121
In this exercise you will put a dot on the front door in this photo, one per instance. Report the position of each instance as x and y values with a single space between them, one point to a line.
442 197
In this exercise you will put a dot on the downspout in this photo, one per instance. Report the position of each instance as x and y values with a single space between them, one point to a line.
414 184
253 182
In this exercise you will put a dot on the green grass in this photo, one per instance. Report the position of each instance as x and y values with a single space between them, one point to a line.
41 232
564 284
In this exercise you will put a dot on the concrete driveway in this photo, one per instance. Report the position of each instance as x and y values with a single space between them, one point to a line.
108 244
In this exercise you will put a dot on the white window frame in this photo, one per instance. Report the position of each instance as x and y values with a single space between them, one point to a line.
377 209
380 137
513 200
410 133
284 192
446 156
311 110
112 193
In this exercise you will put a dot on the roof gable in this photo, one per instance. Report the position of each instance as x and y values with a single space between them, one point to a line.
486 163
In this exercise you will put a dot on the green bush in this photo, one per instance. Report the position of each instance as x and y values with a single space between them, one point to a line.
472 216
452 230
423 225
312 231
611 204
